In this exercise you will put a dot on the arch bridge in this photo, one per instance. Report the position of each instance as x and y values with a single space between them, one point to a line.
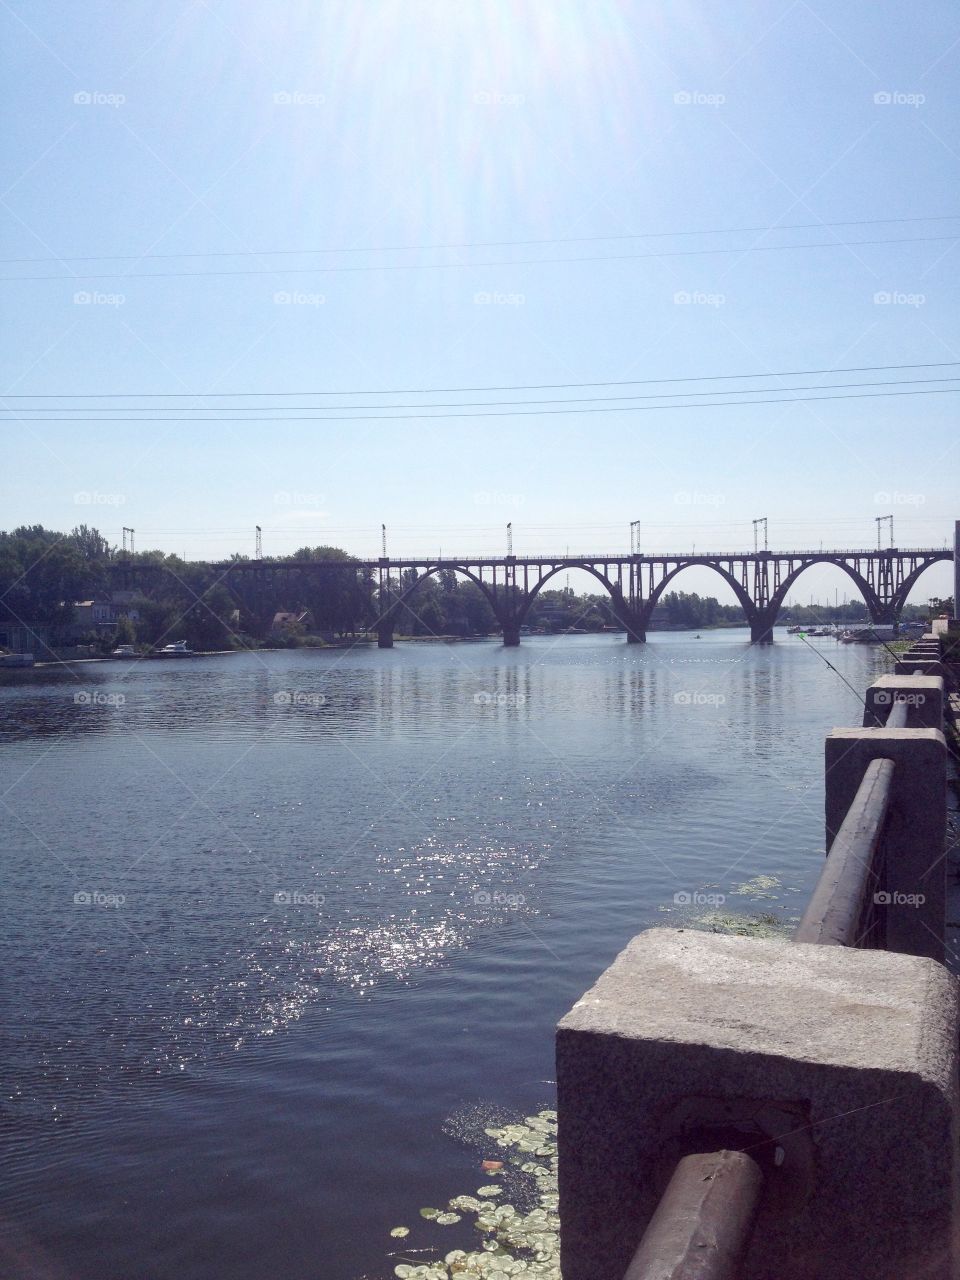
760 581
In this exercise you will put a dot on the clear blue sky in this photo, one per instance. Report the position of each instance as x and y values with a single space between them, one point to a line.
232 127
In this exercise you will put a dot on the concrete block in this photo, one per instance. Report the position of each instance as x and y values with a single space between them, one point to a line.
923 695
857 1049
916 828
919 667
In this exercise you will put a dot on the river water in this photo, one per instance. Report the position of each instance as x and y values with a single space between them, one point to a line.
281 928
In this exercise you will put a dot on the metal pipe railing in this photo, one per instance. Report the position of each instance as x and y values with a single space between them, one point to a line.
834 915
702 1226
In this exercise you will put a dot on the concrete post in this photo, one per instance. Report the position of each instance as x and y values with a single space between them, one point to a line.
845 1059
915 831
922 694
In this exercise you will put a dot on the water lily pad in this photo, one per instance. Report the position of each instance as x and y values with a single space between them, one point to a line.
447 1219
487 1191
429 1213
399 1232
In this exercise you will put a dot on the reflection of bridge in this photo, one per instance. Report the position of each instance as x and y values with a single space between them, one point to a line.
760 581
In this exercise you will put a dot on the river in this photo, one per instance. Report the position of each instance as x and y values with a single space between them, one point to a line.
281 929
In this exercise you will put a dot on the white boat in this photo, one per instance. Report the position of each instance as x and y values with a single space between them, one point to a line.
176 650
125 651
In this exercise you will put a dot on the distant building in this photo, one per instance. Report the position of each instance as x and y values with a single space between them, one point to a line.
285 621
103 615
24 637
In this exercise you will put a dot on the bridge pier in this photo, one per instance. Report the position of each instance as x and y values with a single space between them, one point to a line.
511 634
385 635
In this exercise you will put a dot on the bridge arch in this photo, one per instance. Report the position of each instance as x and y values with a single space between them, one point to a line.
616 595
388 615
910 581
739 590
870 598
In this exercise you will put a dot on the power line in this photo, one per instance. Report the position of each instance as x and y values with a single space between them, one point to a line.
479 244
511 262
511 413
459 404
423 391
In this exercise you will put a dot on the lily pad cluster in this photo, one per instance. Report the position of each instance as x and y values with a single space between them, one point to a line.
514 1243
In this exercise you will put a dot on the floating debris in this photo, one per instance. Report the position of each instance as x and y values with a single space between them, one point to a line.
514 1242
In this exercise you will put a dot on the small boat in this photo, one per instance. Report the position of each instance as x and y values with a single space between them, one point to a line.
176 650
125 651
16 659
697 636
794 631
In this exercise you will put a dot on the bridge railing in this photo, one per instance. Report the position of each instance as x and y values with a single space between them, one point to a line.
881 889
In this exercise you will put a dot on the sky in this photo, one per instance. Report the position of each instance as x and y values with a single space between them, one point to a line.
226 203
